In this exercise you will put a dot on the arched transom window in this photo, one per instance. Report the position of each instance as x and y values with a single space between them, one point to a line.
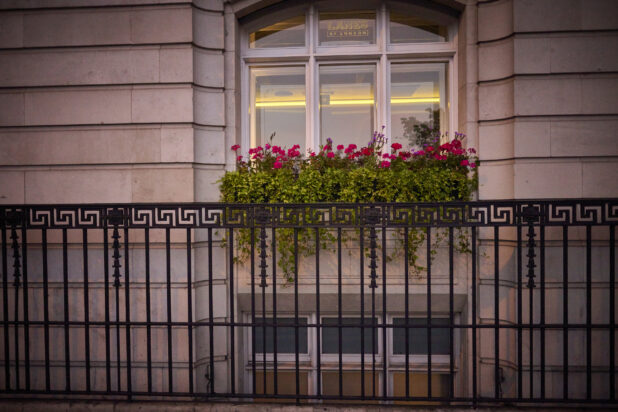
342 70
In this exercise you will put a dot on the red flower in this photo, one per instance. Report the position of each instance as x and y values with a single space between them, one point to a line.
330 155
277 165
464 163
340 147
267 146
367 151
239 159
396 146
235 147
473 165
385 163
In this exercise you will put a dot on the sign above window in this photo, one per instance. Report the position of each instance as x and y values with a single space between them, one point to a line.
349 27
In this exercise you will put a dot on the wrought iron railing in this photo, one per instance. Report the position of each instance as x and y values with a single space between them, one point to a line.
455 303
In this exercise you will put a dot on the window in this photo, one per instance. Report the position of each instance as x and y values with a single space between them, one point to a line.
342 70
353 341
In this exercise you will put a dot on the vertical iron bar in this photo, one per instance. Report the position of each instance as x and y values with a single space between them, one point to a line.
24 254
612 315
542 320
127 309
211 328
474 329
384 358
116 275
108 371
588 312
168 280
232 316
429 312
339 309
65 282
5 310
362 309
451 288
565 311
497 383
190 308
519 313
317 309
16 284
148 318
274 264
407 307
253 366
530 216
372 286
45 307
296 339
263 286
86 306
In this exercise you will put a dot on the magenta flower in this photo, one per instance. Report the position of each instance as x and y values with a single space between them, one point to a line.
277 165
340 147
396 146
330 155
464 163
385 163
235 147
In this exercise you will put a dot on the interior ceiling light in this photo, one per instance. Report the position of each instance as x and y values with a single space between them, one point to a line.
348 102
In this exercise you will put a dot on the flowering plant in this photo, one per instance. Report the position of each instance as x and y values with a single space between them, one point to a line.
378 172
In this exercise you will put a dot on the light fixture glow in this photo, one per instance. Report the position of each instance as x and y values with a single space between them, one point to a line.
348 102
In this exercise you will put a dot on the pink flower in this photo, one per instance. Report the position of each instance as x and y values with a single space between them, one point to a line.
464 163
473 165
312 154
277 165
340 147
330 155
267 146
235 147
385 163
471 150
239 159
396 146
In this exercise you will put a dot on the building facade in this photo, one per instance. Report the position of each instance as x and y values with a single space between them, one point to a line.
139 101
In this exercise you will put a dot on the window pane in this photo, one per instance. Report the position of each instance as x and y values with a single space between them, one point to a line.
347 27
418 384
286 384
285 336
350 337
278 106
351 382
286 33
347 103
411 29
418 102
417 337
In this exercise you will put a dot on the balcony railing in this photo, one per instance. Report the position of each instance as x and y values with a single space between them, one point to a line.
452 303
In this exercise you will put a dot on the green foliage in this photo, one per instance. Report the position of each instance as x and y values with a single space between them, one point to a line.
439 173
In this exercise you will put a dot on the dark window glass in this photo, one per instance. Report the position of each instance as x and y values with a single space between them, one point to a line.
412 29
285 33
350 336
285 336
417 343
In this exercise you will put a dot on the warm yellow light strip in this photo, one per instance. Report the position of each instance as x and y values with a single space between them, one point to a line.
350 102
291 103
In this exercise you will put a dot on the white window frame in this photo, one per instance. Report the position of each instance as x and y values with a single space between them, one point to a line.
351 362
311 56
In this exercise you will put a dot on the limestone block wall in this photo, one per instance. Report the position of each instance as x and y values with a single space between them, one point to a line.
547 101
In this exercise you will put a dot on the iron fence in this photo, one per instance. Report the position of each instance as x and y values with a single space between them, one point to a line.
453 303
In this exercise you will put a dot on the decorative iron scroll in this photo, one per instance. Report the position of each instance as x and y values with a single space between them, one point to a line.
219 215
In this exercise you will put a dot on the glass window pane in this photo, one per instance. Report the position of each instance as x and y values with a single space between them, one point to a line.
350 337
285 336
351 382
278 106
418 384
347 27
285 33
286 384
418 102
412 29
417 337
347 103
